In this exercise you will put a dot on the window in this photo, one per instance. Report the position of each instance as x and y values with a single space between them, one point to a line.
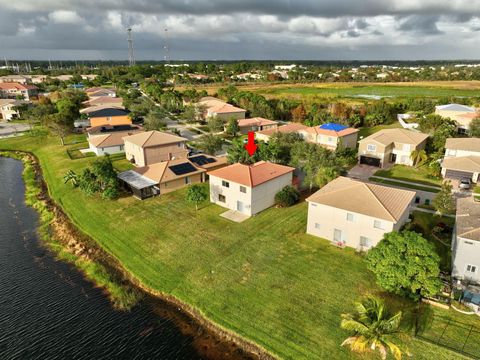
371 147
314 205
317 226
427 201
365 242
109 118
468 242
350 217
122 147
452 152
221 198
187 180
330 139
180 144
243 189
377 224
225 184
471 269
417 200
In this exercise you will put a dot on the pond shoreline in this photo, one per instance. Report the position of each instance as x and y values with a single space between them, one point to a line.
210 339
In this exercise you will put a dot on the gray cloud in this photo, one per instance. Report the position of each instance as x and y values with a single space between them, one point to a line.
422 25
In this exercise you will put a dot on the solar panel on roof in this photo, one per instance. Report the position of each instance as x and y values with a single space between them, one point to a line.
202 160
181 169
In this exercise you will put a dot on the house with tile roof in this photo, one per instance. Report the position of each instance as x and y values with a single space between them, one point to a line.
152 147
357 214
12 90
220 109
256 124
110 142
331 135
249 189
466 240
265 135
458 147
390 146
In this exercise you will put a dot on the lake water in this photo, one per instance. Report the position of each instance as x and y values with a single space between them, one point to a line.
47 309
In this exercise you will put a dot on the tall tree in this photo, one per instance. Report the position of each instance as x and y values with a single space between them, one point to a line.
418 157
444 201
374 328
210 143
232 127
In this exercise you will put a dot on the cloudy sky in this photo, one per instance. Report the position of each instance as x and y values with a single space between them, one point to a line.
241 29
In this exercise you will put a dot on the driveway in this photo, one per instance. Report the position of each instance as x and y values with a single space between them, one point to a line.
12 129
362 171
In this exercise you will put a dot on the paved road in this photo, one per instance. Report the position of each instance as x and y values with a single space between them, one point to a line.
8 129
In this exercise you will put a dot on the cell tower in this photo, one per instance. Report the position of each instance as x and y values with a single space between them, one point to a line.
166 47
131 55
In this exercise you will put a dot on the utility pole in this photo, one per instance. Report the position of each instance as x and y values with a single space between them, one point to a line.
131 55
166 47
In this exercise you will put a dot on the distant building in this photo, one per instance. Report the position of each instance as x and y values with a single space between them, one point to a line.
19 79
220 109
462 114
9 108
265 135
104 101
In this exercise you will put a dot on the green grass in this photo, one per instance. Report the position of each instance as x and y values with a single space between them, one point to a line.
407 186
367 131
409 173
264 279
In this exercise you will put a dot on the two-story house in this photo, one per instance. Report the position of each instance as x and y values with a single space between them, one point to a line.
109 116
16 90
390 146
9 108
461 114
249 189
466 241
462 159
152 147
357 214
331 136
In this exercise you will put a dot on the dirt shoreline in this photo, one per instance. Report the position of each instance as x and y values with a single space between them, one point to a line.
211 340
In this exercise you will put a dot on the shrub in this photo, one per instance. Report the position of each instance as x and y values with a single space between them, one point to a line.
286 197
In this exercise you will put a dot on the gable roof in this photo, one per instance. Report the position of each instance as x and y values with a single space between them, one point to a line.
16 86
161 172
468 218
256 121
91 109
466 144
251 175
103 100
378 201
332 129
108 111
106 129
225 109
403 136
463 163
110 139
455 107
289 128
102 92
154 138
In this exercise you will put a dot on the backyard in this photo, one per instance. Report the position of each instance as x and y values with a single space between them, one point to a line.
418 175
264 279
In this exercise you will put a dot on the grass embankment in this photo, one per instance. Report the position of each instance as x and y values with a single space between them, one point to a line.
121 296
409 173
264 279
402 185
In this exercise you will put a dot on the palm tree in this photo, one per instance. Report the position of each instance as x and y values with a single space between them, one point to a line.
70 176
418 157
374 328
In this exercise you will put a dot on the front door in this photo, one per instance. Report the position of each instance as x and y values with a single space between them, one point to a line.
337 235
393 158
239 206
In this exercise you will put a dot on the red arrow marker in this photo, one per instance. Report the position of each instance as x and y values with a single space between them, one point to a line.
251 146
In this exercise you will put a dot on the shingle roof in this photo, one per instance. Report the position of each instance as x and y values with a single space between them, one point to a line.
256 121
251 175
108 111
463 163
154 138
103 100
466 144
381 202
403 136
455 107
468 218
110 139
16 86
225 109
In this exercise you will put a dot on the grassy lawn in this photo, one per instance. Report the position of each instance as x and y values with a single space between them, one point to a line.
409 173
264 279
367 131
407 186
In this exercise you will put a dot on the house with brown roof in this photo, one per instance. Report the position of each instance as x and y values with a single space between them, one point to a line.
256 124
466 241
265 135
462 159
390 146
152 147
357 214
331 136
220 109
104 101
12 90
166 176
458 147
249 189
109 142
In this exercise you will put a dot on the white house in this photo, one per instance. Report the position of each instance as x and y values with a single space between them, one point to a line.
249 189
353 213
109 143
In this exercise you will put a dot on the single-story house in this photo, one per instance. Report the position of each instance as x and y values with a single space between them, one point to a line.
249 189
14 90
151 147
462 114
256 124
167 176
264 135
109 143
458 147
331 136
463 167
466 241
357 214
390 146
109 116
9 108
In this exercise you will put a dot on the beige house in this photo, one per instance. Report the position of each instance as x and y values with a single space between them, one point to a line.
390 146
462 114
265 135
249 189
458 147
20 79
331 136
110 142
16 90
256 124
104 101
357 214
9 108
464 167
220 109
466 241
153 147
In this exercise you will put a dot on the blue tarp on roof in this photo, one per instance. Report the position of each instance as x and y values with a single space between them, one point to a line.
333 127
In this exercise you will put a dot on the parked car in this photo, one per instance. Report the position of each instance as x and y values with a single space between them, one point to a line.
465 184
